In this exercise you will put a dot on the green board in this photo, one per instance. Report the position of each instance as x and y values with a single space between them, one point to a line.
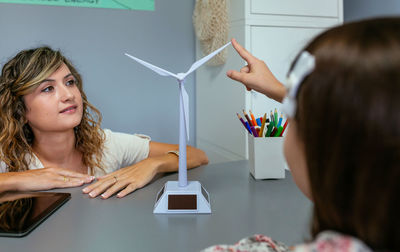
113 4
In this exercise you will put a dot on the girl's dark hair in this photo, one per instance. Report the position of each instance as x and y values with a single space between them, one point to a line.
348 117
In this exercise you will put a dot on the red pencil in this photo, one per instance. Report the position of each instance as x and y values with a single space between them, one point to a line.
284 127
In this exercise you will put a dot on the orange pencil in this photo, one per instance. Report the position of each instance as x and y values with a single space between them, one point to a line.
253 118
263 124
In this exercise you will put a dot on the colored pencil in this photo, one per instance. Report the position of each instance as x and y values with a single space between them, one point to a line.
247 118
274 132
253 119
263 124
254 131
244 124
280 120
269 129
272 118
248 127
284 127
258 131
278 132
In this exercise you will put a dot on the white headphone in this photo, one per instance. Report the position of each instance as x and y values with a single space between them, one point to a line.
302 68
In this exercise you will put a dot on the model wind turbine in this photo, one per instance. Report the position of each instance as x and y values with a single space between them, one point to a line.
181 196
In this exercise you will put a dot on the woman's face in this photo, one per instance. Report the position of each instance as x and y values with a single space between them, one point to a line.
56 104
295 157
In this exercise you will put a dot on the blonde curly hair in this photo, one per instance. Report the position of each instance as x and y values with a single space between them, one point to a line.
20 76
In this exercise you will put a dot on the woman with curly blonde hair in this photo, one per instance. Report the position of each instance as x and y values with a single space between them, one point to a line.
50 135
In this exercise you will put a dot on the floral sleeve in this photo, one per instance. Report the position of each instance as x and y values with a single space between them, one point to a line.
254 243
326 241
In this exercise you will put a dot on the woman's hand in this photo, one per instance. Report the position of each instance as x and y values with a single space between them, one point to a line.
42 179
125 180
256 75
128 179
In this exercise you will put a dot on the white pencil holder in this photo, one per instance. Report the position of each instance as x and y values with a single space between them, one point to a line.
266 157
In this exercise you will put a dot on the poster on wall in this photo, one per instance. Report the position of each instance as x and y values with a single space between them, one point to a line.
111 4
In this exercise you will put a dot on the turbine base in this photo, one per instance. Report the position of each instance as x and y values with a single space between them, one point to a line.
190 199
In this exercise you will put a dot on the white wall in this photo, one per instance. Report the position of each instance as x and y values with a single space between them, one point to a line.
360 9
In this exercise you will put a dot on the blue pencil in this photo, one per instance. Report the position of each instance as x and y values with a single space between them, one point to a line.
280 120
248 127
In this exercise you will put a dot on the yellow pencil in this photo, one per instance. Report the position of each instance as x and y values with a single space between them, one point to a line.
263 124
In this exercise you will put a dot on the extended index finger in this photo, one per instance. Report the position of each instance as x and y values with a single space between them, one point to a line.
243 52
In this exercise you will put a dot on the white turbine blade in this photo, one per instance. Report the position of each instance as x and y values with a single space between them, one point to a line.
156 69
203 60
185 99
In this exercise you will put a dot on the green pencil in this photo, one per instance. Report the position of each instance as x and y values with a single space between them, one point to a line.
278 132
270 126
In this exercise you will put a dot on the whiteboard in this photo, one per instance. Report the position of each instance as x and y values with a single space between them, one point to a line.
111 4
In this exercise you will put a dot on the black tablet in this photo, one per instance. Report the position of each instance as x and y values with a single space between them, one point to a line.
20 213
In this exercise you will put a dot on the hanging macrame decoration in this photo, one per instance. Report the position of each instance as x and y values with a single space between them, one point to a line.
210 20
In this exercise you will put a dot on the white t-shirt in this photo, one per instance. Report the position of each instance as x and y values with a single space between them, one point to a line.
120 150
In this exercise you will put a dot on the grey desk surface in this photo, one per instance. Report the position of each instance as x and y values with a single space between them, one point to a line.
241 206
